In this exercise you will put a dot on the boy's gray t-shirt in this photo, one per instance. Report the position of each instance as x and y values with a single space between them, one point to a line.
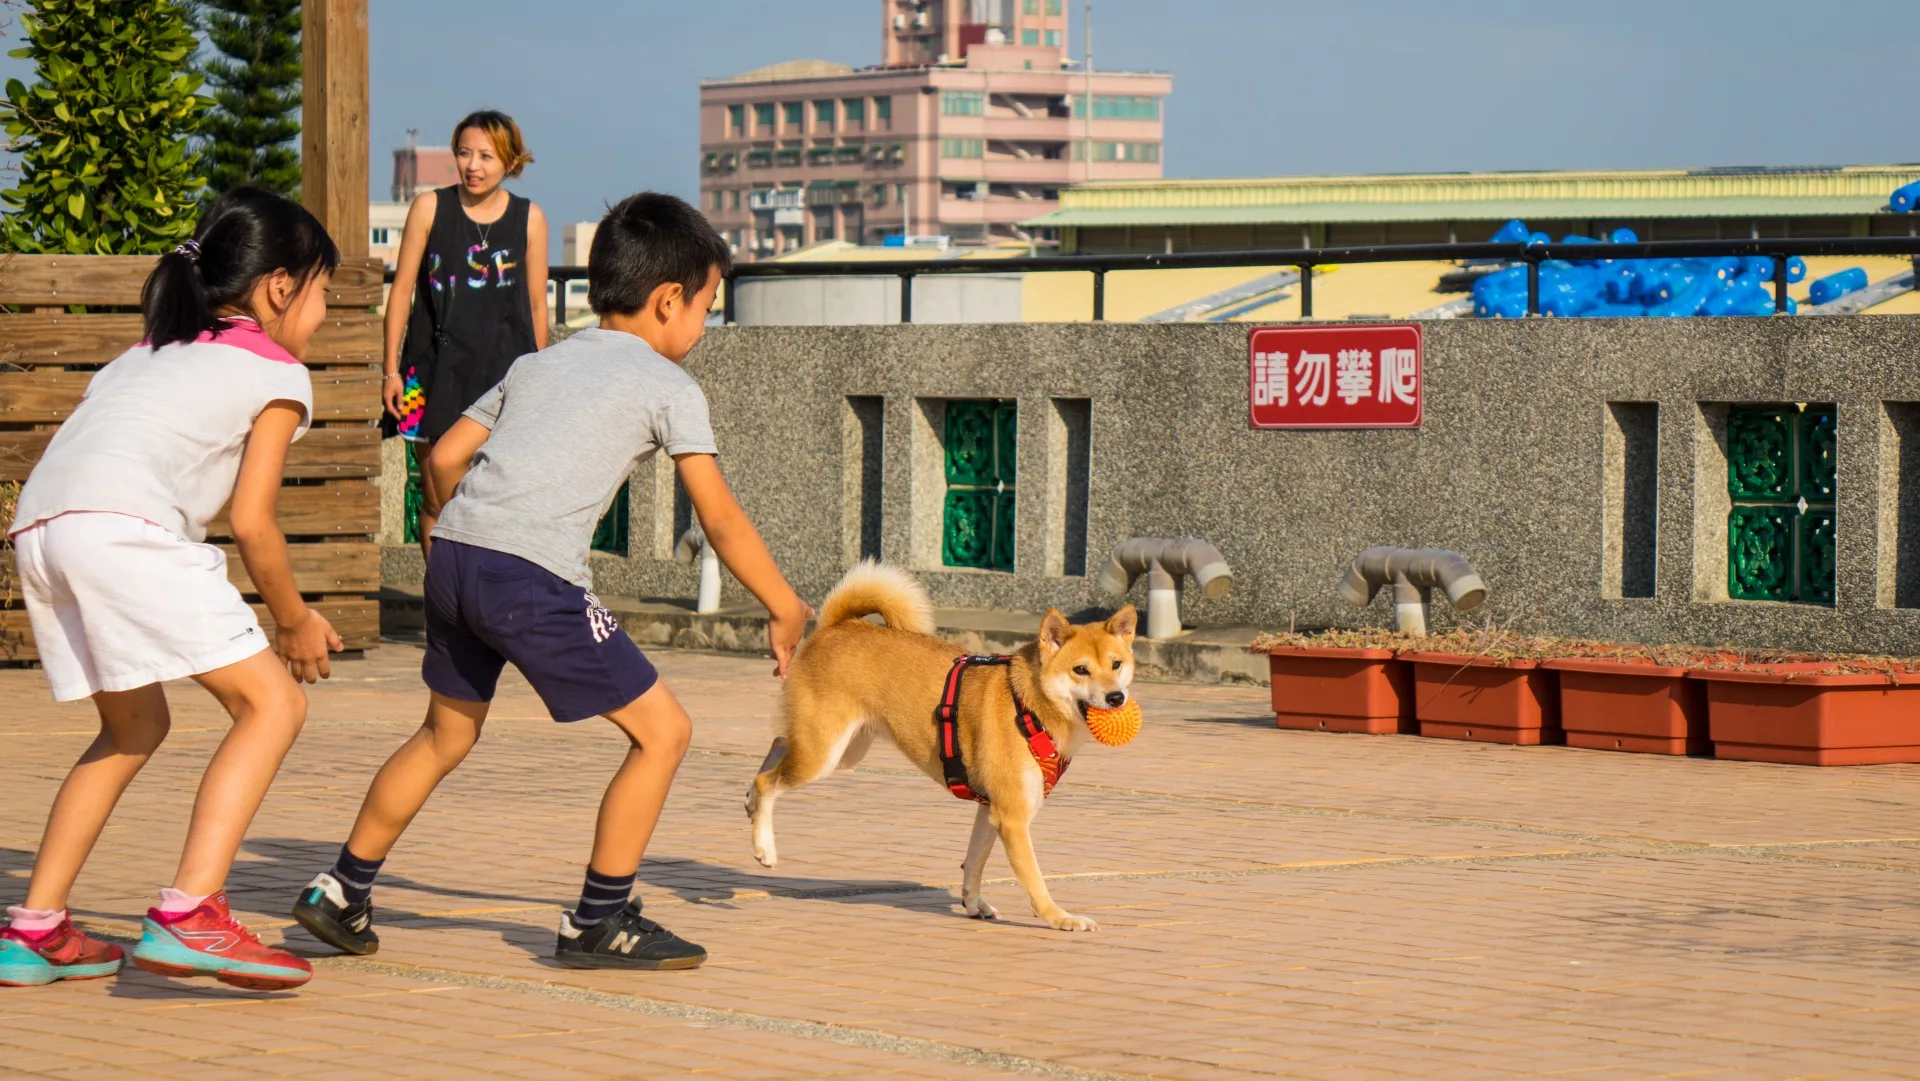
568 424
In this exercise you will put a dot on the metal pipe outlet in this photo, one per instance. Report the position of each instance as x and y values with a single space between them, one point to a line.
1163 560
1413 573
693 545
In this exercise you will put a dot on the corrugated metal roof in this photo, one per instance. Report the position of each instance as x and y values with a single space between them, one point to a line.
1657 193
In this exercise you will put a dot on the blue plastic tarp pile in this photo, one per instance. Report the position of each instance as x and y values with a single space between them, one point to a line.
1632 287
1905 198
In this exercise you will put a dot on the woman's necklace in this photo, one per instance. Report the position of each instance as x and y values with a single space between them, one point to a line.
484 232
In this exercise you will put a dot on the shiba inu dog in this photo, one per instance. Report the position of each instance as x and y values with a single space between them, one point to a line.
853 681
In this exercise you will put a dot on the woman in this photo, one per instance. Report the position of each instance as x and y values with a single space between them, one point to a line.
469 290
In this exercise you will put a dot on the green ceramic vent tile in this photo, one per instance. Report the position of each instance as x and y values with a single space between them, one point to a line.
414 497
611 534
1816 531
1818 460
968 527
1760 553
971 443
1760 452
978 511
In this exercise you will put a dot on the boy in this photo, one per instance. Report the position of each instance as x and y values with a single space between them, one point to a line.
508 578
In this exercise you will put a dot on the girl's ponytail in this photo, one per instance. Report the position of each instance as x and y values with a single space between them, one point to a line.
246 235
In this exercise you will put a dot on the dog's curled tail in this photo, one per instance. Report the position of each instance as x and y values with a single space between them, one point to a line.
871 588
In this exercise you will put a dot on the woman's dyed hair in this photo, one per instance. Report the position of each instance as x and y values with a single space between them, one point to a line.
508 146
246 235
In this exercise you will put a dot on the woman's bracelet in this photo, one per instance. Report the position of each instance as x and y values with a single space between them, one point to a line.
391 375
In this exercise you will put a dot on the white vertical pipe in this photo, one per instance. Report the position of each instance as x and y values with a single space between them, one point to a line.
709 600
1163 612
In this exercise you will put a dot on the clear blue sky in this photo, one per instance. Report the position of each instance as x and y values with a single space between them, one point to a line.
607 89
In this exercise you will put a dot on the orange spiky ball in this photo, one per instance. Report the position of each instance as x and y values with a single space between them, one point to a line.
1115 727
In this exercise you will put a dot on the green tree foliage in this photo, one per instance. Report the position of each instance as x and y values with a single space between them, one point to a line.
256 94
102 132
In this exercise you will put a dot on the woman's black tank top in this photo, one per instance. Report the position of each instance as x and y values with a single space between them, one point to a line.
472 317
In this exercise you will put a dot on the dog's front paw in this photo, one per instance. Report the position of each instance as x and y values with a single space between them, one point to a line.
1067 921
766 854
979 909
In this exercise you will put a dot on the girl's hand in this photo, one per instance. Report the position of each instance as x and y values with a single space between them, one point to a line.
304 645
784 633
392 390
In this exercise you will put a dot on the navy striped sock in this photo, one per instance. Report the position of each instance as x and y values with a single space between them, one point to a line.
601 897
355 875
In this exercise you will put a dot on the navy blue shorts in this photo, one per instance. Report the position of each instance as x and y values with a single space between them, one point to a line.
486 608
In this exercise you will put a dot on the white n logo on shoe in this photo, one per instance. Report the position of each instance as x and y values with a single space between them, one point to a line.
214 941
623 942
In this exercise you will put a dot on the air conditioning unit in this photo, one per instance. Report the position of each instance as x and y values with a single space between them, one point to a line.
900 21
923 20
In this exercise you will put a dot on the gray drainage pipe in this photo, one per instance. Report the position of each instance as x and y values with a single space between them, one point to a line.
1413 573
1163 560
693 545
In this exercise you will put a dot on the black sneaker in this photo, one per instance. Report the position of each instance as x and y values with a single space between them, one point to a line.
628 940
323 910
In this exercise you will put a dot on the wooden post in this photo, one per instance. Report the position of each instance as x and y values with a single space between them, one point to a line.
333 134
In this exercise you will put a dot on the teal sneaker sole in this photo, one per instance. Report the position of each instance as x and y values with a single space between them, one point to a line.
21 967
164 955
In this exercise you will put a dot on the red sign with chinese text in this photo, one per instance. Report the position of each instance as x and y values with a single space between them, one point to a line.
1365 375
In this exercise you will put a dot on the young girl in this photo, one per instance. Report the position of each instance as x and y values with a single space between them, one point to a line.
469 290
123 592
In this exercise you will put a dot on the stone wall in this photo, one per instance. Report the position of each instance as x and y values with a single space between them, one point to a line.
1578 463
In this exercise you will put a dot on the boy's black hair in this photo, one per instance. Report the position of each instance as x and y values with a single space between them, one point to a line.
646 241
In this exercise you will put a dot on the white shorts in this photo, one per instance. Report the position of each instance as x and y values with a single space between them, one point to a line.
117 602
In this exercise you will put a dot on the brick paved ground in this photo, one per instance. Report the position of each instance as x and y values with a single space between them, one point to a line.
1272 904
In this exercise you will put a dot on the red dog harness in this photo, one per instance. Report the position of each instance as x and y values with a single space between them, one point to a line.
947 718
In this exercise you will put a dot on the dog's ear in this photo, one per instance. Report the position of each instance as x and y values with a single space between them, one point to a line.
1054 632
1123 623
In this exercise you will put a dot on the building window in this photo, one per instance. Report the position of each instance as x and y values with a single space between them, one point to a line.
1782 481
796 115
1030 7
820 155
759 159
1053 39
1138 153
734 200
883 110
848 155
879 195
763 118
380 235
963 103
1110 107
900 194
736 120
963 148
854 111
1054 6
787 156
823 114
1029 37
977 518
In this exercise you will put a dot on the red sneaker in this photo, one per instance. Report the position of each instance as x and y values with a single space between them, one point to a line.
209 942
29 960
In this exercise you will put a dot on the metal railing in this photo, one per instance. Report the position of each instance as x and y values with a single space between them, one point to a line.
1304 259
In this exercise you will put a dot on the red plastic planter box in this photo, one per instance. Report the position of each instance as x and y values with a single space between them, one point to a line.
1810 720
1627 706
1329 689
1489 701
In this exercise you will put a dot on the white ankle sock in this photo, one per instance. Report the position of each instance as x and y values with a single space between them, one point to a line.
35 920
173 902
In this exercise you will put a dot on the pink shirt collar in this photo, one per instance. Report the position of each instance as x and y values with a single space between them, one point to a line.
244 333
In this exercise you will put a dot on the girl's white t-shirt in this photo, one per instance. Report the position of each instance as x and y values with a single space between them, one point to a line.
159 432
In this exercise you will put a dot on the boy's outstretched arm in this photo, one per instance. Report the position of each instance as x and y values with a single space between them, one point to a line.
451 458
739 546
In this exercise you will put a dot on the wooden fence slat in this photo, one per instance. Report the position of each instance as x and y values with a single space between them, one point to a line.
352 451
335 509
329 567
355 619
116 280
57 340
48 397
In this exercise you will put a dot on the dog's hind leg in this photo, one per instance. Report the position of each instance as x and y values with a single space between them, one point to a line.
793 761
1015 826
978 849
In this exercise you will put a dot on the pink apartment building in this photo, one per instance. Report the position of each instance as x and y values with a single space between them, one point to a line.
972 126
